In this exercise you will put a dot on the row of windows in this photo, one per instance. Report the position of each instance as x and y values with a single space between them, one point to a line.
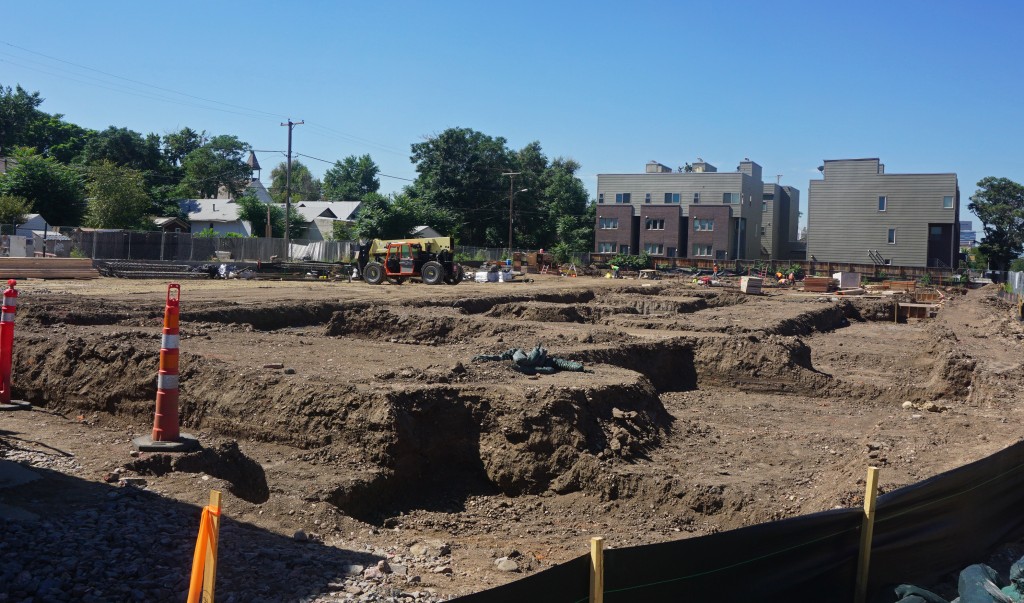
655 224
670 198
883 202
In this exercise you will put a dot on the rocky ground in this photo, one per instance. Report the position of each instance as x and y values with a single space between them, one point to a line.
364 456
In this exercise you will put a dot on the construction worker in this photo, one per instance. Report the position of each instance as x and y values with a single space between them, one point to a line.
615 271
716 270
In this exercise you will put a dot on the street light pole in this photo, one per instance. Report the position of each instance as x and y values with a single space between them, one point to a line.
511 194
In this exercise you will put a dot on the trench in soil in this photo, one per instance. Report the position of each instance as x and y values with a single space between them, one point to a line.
412 433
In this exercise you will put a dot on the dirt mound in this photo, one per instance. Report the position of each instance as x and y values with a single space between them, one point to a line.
399 326
245 476
538 311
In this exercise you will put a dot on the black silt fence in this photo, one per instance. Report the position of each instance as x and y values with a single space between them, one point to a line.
921 532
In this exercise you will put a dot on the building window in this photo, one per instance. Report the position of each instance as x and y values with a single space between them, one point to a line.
883 203
764 206
762 231
671 252
701 250
608 223
733 198
703 225
672 198
600 197
655 224
696 197
624 249
892 236
622 197
606 247
947 202
647 197
653 248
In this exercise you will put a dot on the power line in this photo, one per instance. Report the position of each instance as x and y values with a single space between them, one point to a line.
208 100
333 162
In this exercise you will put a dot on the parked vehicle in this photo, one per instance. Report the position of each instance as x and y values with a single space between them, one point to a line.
429 260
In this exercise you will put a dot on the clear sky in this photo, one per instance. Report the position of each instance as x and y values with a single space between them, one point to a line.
932 86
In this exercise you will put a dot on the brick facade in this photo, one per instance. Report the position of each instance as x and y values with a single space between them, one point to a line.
622 235
717 239
662 226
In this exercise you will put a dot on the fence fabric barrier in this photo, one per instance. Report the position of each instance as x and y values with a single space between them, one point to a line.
921 532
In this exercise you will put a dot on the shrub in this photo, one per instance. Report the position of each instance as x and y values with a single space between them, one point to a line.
632 262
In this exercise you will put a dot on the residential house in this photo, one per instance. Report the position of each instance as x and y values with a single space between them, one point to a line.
701 213
320 216
42 238
219 215
859 214
171 224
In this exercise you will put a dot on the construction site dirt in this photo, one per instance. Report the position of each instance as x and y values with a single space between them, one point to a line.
347 424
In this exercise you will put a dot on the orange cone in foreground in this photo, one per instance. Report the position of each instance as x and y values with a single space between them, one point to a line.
7 349
165 436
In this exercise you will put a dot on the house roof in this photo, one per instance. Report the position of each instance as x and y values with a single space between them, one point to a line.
335 210
210 210
163 221
256 188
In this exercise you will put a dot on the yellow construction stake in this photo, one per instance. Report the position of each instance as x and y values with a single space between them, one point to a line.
866 532
210 567
597 569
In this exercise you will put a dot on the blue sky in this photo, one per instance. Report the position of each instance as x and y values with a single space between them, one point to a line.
925 86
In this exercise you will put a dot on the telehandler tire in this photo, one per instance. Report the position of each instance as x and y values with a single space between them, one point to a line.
432 273
373 273
455 276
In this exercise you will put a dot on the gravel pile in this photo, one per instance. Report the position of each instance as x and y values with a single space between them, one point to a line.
137 546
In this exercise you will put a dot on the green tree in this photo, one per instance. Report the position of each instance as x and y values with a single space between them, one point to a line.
18 110
999 204
343 231
304 186
177 145
255 211
460 171
55 190
14 209
351 179
568 217
124 147
394 217
219 162
118 198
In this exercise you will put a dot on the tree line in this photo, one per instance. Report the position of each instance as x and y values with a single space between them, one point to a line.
120 178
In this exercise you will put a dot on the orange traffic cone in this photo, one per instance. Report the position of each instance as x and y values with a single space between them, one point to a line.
7 349
165 436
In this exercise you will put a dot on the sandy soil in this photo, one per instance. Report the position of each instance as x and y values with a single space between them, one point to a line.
705 410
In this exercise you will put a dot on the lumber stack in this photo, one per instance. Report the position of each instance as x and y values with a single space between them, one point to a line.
51 268
906 286
818 284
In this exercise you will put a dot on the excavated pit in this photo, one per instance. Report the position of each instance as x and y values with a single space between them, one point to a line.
419 422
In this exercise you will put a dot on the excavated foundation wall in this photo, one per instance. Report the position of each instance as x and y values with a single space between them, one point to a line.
382 444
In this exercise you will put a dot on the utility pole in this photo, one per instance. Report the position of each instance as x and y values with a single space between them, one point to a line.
288 190
778 178
511 188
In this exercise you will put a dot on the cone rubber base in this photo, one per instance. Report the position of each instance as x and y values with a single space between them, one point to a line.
184 443
16 405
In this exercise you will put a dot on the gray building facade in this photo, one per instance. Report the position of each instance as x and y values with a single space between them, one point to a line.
857 213
667 215
780 208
